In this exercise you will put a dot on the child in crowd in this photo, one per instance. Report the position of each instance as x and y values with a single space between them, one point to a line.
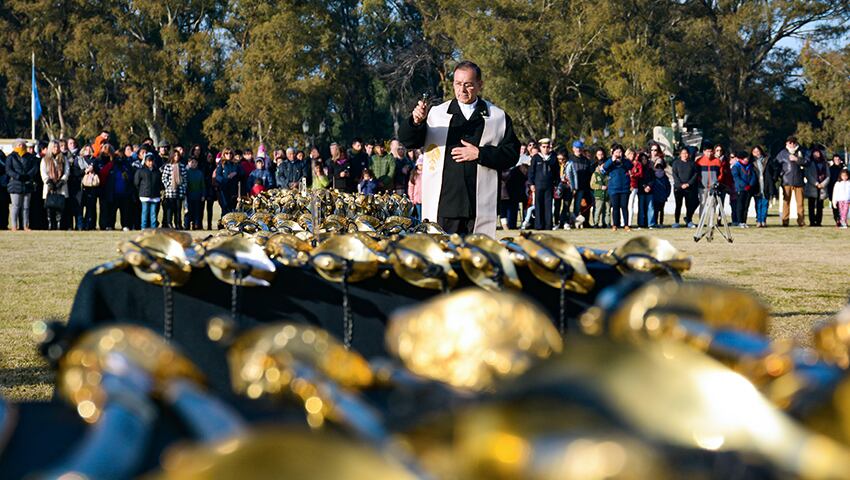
414 188
148 183
841 197
368 184
660 191
529 211
258 187
260 173
195 188
599 184
320 178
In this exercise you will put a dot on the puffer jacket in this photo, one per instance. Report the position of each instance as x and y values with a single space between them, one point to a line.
148 182
22 172
618 175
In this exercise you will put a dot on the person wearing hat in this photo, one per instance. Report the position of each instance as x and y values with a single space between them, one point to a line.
543 176
467 141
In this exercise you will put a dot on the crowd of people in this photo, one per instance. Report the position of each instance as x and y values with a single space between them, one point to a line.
62 185
601 188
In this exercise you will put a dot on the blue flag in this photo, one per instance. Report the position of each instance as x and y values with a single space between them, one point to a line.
36 103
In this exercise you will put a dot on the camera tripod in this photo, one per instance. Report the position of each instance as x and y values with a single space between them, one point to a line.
711 210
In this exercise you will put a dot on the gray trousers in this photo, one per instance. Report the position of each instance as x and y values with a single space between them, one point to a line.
20 206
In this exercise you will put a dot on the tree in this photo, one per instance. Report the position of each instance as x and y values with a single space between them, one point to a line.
536 56
827 76
733 43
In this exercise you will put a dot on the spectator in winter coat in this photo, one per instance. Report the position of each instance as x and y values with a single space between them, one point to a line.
174 179
685 187
792 162
22 169
358 158
817 181
543 177
290 172
599 184
765 188
383 165
195 189
660 192
148 182
841 197
260 173
580 172
368 185
564 192
227 177
644 186
835 168
618 169
118 190
55 171
340 170
745 177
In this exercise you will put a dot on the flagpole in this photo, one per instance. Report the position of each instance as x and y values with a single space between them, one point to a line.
32 101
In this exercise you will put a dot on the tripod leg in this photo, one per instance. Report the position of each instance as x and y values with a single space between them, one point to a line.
703 217
726 228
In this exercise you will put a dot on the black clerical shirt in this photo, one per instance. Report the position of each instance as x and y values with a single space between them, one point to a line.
457 193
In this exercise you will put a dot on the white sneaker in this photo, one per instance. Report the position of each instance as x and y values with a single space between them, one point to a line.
692 225
524 226
567 227
844 226
126 229
742 225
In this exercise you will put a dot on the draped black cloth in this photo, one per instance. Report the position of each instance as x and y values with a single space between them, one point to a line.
297 294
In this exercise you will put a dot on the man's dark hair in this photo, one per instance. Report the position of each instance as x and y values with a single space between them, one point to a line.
467 65
616 147
792 139
357 140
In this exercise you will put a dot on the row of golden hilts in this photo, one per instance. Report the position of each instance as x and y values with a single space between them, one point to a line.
646 355
424 257
287 208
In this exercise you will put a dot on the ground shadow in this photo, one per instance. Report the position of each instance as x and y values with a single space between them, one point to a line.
802 314
16 377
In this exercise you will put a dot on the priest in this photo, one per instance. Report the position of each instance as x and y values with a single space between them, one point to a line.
467 141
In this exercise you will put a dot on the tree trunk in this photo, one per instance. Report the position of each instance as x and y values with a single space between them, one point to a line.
59 111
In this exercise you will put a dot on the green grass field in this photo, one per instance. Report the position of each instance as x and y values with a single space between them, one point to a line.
801 274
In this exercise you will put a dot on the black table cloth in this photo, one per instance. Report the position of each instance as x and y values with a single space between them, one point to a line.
297 294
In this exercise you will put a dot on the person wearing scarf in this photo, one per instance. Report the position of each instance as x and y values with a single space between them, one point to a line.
54 173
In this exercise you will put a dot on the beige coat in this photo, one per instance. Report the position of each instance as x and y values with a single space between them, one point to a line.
45 175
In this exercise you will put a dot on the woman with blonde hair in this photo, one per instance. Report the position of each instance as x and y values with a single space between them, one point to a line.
54 173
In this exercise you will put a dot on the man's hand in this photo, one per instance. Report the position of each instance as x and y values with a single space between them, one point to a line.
604 187
467 153
420 113
532 188
685 186
647 189
232 174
